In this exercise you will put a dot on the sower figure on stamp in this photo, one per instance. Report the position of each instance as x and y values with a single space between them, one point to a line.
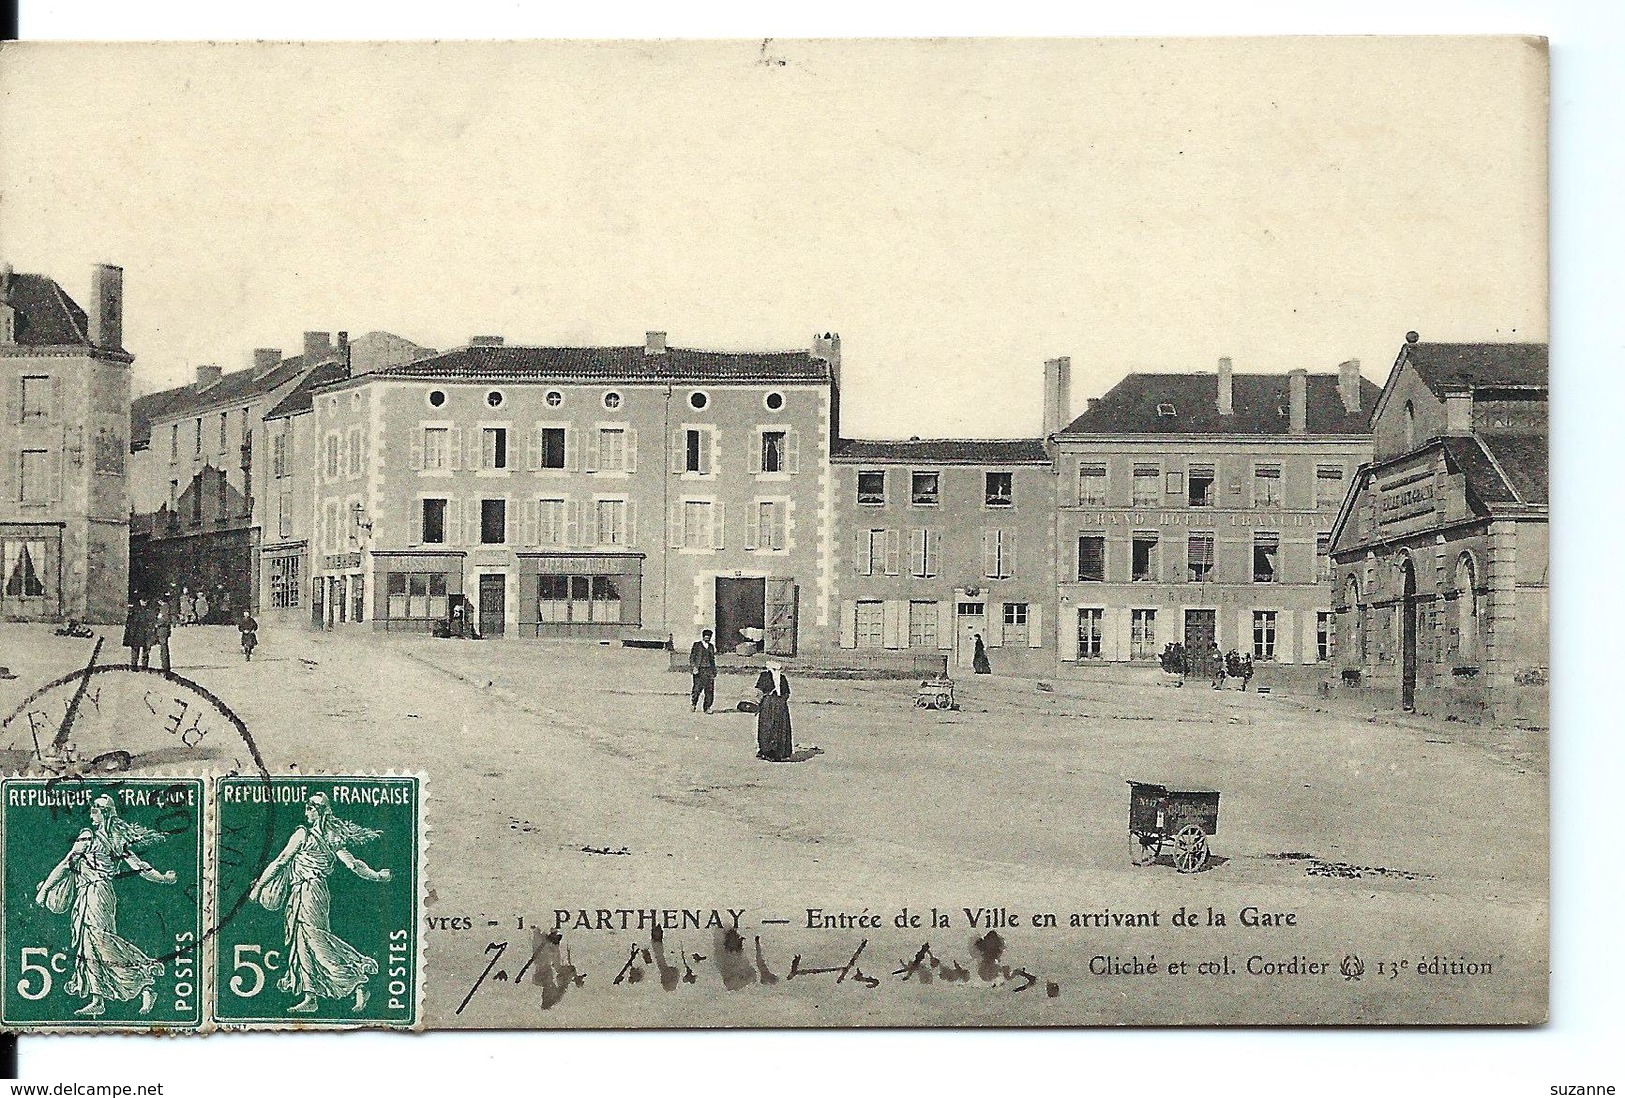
320 964
774 737
105 965
702 664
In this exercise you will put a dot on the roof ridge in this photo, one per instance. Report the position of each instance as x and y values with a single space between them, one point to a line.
1500 470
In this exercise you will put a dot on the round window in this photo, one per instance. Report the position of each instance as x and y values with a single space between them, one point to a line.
773 401
437 398
698 401
494 398
554 398
612 400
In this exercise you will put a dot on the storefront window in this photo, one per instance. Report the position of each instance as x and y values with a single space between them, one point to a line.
578 600
416 595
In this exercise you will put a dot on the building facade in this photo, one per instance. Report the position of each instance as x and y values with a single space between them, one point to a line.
601 492
64 504
1197 509
210 491
1441 549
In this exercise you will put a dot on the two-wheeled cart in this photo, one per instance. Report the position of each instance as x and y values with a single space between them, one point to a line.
1180 819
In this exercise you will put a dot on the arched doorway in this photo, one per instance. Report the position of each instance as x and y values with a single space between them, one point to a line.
1407 636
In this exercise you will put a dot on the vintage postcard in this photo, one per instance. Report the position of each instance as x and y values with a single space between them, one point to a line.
774 533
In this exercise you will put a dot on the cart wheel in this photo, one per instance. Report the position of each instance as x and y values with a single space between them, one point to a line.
943 702
1142 851
1190 849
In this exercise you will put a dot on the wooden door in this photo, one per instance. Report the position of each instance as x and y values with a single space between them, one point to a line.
972 619
493 604
782 599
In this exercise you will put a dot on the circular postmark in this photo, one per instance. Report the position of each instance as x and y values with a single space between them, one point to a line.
101 729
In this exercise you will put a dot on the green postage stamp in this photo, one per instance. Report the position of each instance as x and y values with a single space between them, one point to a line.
102 896
317 888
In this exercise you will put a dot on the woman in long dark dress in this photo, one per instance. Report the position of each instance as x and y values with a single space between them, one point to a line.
773 735
979 661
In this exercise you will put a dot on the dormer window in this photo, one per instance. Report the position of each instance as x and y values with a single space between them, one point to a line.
1166 411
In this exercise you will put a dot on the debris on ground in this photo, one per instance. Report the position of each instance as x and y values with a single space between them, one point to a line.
1319 867
1045 687
620 852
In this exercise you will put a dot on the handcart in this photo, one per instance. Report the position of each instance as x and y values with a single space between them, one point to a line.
935 694
1182 819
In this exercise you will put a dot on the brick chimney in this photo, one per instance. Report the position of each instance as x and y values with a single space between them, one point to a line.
318 345
1057 395
207 376
654 343
266 359
1298 385
1458 407
107 306
1224 401
1348 384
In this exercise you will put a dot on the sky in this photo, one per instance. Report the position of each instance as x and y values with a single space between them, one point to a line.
958 211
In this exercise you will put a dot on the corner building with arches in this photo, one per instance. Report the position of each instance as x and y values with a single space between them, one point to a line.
594 493
1441 547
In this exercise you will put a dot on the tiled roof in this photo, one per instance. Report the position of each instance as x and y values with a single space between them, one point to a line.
240 385
631 365
1443 366
46 316
301 397
1258 406
1523 458
1484 481
944 451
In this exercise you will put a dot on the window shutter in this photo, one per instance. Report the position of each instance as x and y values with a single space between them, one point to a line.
945 624
1067 638
631 450
933 552
781 525
892 613
1007 554
755 457
711 451
508 522
674 524
14 401
572 446
595 536
454 522
475 449
572 522
589 460
990 553
414 522
916 552
534 450
631 522
995 625
56 401
1035 625
53 461
679 451
720 525
471 522
894 539
849 624
860 554
753 522
532 519
793 446
454 449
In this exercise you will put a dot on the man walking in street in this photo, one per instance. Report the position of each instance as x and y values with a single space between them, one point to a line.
702 664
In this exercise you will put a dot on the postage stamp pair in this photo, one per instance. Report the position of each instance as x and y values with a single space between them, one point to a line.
186 904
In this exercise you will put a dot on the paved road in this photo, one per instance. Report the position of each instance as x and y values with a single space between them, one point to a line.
570 777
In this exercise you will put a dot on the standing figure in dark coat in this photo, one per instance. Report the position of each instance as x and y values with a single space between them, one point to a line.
141 655
133 632
702 664
773 734
979 661
248 629
159 626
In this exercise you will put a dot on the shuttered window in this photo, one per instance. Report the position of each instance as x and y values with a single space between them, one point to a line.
1091 558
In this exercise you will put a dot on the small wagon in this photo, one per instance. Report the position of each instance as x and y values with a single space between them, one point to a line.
935 694
1180 818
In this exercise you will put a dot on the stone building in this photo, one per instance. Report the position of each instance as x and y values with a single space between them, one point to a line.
1441 548
1197 508
947 540
208 482
64 502
589 492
